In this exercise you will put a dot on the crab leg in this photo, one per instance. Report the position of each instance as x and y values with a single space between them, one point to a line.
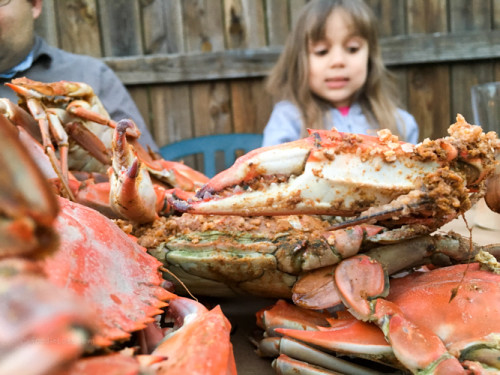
132 195
417 348
20 117
82 109
317 290
47 126
27 205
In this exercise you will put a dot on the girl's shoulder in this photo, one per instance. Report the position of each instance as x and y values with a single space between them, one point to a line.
286 106
405 114
408 126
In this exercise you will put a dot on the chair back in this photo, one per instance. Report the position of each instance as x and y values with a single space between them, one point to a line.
208 145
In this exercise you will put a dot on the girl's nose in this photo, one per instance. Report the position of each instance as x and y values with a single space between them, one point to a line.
337 57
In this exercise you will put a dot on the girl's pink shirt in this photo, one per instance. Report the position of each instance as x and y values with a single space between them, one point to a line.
344 111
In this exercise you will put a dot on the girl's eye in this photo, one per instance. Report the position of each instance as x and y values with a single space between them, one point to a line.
353 48
320 51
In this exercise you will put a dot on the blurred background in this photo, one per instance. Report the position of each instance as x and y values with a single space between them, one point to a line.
197 67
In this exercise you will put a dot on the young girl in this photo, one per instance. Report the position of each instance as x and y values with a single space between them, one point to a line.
331 74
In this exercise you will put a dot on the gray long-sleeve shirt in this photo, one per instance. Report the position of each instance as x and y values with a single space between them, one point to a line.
285 124
52 64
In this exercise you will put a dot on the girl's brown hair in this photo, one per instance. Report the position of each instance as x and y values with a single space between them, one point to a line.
288 79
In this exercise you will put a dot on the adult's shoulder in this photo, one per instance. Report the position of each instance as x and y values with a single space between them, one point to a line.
60 57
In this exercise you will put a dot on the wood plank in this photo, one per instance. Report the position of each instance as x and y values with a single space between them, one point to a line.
171 115
244 24
463 78
162 26
296 7
392 18
429 85
429 100
396 51
496 14
252 105
140 95
194 66
78 26
402 86
46 24
120 24
203 30
440 47
211 108
391 14
277 20
428 16
468 16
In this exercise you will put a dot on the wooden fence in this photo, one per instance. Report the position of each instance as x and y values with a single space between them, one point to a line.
197 67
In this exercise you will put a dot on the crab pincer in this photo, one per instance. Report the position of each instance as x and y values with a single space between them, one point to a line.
132 194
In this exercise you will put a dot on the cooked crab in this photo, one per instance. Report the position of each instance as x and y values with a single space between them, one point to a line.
72 121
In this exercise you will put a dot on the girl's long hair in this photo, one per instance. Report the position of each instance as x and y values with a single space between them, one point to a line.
289 80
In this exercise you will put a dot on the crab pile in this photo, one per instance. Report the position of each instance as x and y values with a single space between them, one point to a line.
79 296
330 222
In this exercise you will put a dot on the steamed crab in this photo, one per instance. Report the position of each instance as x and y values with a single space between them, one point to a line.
76 131
74 283
408 191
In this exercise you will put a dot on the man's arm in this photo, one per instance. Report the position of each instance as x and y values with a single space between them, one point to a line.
119 104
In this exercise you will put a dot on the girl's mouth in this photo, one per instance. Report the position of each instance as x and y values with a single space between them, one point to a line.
336 83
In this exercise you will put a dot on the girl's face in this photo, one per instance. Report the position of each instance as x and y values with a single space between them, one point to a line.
338 65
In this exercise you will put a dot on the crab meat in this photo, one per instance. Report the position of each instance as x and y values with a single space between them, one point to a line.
334 173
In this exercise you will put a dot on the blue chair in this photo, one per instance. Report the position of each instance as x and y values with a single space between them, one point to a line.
208 145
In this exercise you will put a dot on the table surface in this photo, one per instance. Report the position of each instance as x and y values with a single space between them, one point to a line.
241 311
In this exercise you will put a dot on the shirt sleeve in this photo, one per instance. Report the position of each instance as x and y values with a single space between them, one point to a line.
284 125
410 128
120 105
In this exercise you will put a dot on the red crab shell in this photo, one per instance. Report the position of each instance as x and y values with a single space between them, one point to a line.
99 262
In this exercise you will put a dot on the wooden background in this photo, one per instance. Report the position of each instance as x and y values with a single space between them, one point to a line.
197 67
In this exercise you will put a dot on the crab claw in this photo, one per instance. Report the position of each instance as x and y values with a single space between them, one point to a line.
204 332
327 173
416 347
378 178
132 195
